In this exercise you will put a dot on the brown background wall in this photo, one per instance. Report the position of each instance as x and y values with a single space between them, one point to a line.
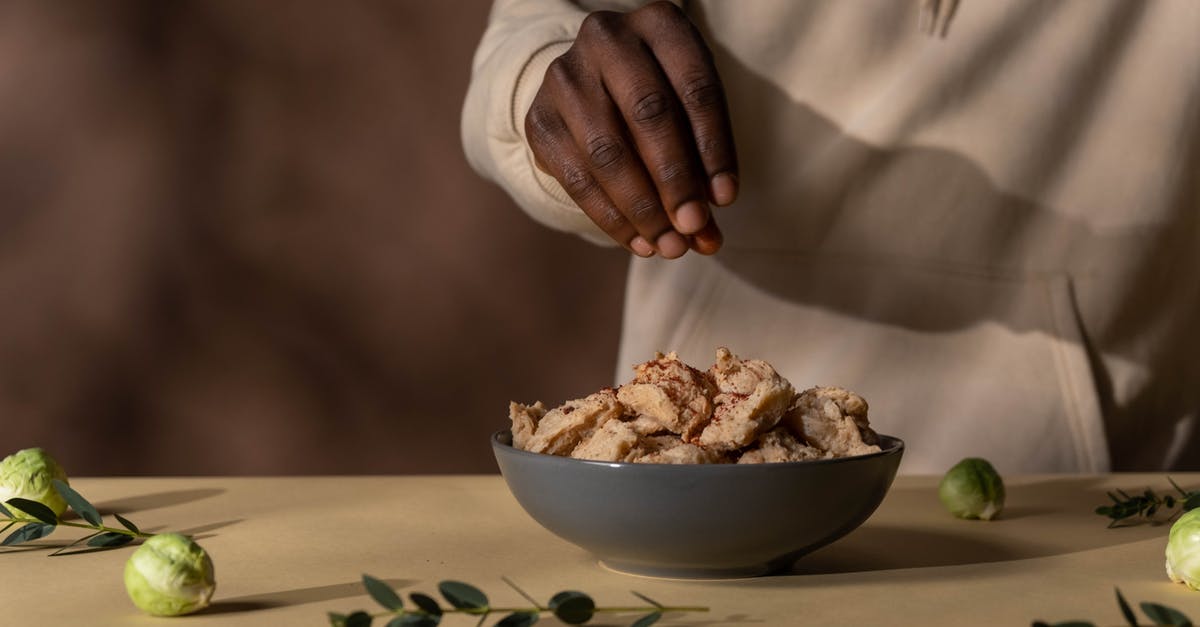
241 237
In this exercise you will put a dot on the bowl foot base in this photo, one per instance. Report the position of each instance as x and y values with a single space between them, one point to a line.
659 572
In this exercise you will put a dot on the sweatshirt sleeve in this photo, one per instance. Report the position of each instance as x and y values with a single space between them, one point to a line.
522 38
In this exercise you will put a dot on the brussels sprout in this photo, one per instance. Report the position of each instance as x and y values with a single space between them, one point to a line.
972 489
29 474
170 575
1183 550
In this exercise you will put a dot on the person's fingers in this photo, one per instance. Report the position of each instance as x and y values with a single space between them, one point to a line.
600 136
688 65
655 120
554 148
708 240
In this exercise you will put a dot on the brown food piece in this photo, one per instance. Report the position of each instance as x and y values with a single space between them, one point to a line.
669 449
779 445
524 422
670 413
834 420
751 400
670 392
563 428
611 442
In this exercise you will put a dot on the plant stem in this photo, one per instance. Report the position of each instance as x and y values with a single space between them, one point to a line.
102 528
490 610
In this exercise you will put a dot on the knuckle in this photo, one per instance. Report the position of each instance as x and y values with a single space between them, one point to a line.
643 210
541 122
671 172
577 181
602 25
661 10
701 91
651 107
560 72
609 220
709 146
605 151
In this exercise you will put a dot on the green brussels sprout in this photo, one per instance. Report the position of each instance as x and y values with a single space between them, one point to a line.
1183 550
972 489
170 575
28 474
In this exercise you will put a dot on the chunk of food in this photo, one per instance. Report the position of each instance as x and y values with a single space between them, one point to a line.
666 449
667 391
671 413
612 441
751 399
834 420
563 428
779 445
524 422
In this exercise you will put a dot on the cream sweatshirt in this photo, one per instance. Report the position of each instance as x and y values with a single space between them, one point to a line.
992 233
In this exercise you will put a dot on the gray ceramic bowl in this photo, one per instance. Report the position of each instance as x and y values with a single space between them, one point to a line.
698 521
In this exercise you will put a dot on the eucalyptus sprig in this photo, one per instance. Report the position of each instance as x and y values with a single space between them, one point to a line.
1159 614
40 521
570 606
1127 510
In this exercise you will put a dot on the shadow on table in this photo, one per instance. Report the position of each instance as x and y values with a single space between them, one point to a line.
1042 518
155 500
682 619
299 596
199 532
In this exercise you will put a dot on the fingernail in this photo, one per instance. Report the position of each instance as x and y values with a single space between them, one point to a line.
691 217
724 189
671 245
641 247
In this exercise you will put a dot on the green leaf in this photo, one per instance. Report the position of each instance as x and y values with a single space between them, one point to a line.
4 510
415 620
518 619
1163 615
30 531
110 539
358 619
1192 502
572 607
76 502
463 596
126 524
337 620
382 593
35 509
1126 611
647 620
426 603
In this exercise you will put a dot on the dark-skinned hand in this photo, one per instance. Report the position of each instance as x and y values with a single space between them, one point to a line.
632 121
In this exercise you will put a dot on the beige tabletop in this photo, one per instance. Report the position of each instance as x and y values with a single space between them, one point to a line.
288 550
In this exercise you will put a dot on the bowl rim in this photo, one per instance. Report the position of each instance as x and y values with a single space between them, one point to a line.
896 446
